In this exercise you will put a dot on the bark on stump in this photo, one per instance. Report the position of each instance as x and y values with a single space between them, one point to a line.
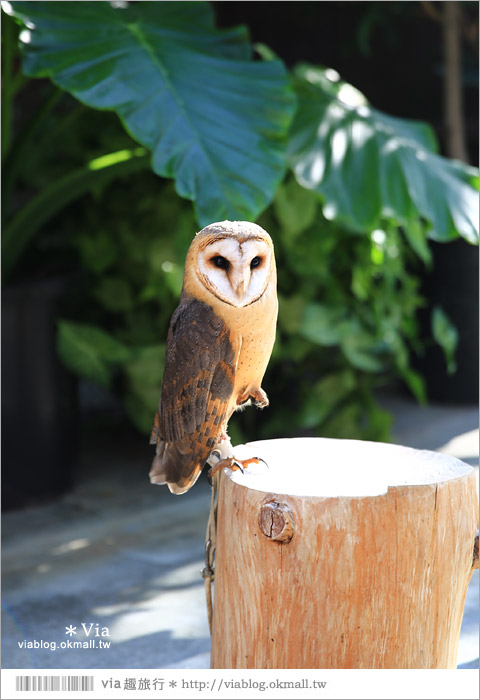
342 554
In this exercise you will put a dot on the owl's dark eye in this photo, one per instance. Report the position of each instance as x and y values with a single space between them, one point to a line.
255 262
221 262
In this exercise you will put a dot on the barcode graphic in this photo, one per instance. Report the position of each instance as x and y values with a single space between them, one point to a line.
53 683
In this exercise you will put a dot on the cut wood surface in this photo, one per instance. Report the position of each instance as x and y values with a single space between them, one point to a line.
342 554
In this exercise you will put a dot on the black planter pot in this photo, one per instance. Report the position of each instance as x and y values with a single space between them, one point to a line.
39 396
453 285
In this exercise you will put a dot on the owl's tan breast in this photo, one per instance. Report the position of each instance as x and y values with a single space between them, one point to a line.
253 327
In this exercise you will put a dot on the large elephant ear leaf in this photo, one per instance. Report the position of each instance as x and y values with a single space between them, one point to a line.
369 168
214 119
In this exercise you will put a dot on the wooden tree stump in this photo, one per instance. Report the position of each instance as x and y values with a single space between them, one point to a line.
342 554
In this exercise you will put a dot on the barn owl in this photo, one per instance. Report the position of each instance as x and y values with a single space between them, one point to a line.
218 347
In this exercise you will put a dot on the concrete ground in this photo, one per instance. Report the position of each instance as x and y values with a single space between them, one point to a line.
120 554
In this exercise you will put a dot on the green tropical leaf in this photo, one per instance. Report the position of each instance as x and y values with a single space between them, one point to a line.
378 421
417 385
145 369
90 351
295 207
369 167
363 351
290 313
325 396
214 119
415 235
18 233
361 281
446 336
115 294
344 423
97 250
144 374
323 325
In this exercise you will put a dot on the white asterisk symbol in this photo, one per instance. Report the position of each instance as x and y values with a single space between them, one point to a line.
70 630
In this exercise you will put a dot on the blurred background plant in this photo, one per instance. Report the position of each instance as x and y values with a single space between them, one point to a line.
352 197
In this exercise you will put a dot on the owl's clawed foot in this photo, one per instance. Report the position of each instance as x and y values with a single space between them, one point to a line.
244 463
234 464
228 462
258 398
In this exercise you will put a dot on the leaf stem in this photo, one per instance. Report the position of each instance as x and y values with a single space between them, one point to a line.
29 220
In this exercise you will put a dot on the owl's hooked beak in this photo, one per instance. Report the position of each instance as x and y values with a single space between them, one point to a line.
240 282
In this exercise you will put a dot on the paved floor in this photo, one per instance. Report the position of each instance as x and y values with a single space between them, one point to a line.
120 554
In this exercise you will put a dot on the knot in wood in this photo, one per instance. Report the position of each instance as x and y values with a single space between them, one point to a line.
276 521
208 572
475 551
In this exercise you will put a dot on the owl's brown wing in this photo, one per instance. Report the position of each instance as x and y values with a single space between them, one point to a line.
196 390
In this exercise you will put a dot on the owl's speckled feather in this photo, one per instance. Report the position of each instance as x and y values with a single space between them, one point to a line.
217 350
196 390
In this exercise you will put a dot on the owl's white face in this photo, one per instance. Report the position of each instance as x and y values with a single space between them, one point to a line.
236 272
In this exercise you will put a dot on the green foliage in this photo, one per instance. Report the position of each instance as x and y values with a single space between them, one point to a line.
350 220
133 270
446 335
370 168
144 379
346 323
330 355
90 351
37 184
175 82
58 194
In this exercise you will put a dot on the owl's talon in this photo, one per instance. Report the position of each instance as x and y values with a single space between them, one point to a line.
222 464
252 460
234 464
237 465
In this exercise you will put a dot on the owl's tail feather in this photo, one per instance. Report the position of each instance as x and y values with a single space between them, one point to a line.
173 467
